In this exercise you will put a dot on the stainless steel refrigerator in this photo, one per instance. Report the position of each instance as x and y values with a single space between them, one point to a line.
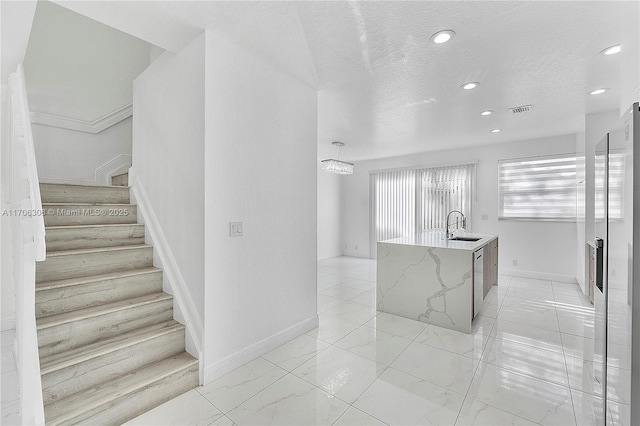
616 364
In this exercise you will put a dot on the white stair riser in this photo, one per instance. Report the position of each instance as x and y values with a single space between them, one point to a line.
94 263
105 236
76 378
129 406
66 299
59 338
85 214
54 193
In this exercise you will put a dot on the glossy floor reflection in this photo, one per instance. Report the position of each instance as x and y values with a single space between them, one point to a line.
526 362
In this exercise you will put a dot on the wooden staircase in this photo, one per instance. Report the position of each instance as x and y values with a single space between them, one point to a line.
109 346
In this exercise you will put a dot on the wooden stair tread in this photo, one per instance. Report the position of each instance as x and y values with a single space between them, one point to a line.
96 311
69 282
93 226
97 250
74 405
109 344
81 185
85 203
74 356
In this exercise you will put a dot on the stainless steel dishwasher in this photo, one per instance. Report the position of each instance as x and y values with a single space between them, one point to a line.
478 284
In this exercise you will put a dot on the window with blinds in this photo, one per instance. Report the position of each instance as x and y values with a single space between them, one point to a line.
394 204
407 201
443 190
538 188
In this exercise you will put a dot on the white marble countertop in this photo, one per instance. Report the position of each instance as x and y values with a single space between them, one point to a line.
437 239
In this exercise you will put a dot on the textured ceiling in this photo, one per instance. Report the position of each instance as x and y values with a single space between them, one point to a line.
385 89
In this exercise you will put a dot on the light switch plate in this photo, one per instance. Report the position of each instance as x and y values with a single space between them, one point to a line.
236 229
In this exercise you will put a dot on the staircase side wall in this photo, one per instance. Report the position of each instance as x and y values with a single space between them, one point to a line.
168 163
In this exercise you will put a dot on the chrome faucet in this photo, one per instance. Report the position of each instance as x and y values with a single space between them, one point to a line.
464 223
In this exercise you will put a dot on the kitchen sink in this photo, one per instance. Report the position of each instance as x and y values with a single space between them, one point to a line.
465 239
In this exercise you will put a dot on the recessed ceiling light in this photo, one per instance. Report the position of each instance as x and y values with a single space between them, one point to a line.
496 130
470 85
612 50
487 112
598 91
443 36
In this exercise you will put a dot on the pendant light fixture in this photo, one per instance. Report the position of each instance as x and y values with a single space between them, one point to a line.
337 166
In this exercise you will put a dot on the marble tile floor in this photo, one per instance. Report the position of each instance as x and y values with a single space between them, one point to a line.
526 362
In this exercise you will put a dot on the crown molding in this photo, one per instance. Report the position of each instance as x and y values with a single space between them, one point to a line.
93 127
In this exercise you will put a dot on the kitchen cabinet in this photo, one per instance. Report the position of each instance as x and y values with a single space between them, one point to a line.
490 265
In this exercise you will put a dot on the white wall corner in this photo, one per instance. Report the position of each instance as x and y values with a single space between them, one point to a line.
174 283
93 127
113 167
241 357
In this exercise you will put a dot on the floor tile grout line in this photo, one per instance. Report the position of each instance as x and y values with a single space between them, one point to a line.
511 370
362 411
222 413
522 374
239 404
254 395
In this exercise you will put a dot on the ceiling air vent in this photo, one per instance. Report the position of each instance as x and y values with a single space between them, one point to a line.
519 109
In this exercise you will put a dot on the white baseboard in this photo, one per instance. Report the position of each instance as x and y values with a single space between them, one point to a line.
539 275
7 324
186 310
243 356
354 254
329 256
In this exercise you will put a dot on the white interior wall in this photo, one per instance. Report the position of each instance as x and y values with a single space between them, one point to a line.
79 72
79 68
69 156
168 157
329 206
541 249
7 297
15 23
260 169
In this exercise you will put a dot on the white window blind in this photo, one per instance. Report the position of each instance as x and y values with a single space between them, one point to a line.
542 188
443 190
404 202
395 204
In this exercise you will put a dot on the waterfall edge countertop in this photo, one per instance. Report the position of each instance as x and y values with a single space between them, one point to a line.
436 239
427 278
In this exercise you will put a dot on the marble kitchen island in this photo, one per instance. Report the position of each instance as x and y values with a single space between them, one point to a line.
428 278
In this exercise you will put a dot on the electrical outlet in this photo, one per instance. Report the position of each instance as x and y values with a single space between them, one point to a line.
514 262
485 217
236 229
356 247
